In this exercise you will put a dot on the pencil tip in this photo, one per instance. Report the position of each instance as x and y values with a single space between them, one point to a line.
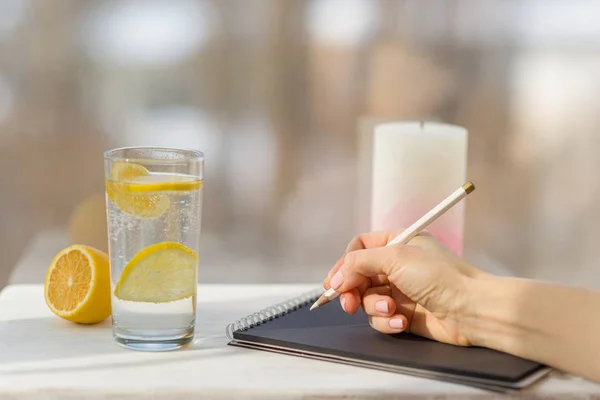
314 306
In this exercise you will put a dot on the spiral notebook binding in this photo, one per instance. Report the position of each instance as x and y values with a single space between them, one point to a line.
272 312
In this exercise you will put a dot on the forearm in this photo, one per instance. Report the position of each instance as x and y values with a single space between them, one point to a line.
555 325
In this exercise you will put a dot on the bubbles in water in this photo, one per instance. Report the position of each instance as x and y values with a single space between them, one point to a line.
129 234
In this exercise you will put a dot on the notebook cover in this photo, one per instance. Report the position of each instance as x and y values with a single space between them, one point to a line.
330 331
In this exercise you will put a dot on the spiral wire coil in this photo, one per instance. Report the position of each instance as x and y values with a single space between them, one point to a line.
272 312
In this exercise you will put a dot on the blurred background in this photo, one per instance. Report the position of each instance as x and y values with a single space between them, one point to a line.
274 92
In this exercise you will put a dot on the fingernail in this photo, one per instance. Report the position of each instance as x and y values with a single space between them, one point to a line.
396 323
343 302
337 280
382 306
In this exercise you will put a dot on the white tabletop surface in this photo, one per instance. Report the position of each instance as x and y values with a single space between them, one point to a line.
43 357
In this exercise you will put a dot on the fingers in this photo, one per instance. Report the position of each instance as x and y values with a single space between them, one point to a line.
370 240
386 313
368 262
361 264
333 270
364 241
394 324
379 280
376 301
350 301
381 309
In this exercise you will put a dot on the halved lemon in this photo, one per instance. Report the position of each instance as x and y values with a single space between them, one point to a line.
77 285
160 273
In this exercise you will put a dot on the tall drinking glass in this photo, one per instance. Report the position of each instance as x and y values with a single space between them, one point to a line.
154 212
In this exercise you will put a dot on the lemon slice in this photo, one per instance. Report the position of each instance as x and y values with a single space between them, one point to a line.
164 182
144 205
160 273
124 171
77 285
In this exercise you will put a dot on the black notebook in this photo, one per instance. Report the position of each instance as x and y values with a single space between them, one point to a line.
330 334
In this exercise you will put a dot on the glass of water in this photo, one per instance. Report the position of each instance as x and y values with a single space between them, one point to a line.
154 212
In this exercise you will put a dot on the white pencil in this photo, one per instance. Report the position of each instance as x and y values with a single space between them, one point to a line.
412 231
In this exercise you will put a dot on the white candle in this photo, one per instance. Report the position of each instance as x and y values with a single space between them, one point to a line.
415 166
366 132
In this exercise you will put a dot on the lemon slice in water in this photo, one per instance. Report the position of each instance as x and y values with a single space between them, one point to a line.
138 192
144 205
160 273
164 182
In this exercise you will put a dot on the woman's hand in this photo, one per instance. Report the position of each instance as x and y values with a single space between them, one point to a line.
420 287
425 289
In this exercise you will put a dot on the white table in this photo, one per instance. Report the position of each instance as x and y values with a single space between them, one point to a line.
44 357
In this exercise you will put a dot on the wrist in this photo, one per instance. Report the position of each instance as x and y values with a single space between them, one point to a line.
544 322
485 320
